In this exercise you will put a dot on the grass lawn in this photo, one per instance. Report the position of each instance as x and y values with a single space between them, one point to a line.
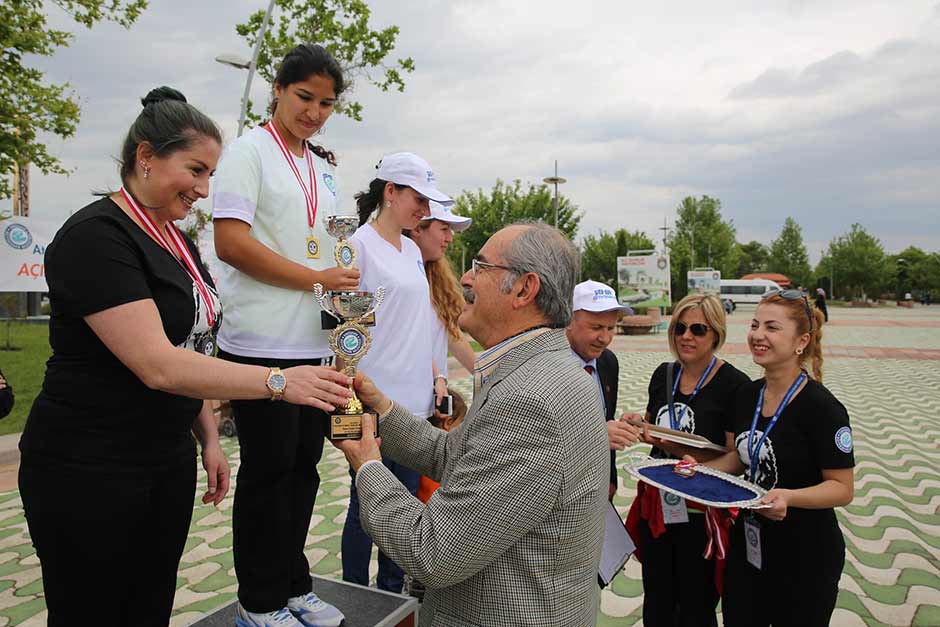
23 368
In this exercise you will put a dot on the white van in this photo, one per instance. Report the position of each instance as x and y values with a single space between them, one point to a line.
748 291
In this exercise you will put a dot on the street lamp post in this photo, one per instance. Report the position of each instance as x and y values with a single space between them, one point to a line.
556 181
237 62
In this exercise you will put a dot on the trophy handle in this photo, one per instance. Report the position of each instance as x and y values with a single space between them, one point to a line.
320 295
377 299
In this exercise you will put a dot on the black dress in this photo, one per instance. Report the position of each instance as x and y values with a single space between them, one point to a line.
108 471
801 556
678 582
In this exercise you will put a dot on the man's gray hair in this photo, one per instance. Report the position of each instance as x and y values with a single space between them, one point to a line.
545 251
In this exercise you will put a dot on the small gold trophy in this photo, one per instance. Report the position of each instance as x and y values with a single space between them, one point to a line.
350 340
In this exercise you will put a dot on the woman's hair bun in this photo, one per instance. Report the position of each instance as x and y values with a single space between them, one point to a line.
160 94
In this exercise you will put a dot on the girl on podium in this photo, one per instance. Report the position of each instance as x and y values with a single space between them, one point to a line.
270 196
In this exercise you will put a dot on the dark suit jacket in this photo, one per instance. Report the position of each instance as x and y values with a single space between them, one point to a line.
608 369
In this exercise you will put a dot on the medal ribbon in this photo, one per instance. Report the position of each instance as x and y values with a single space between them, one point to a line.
675 421
185 257
310 193
751 450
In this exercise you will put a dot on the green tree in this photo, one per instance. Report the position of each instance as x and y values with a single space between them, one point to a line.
700 238
859 263
28 105
752 257
504 205
342 27
788 255
599 254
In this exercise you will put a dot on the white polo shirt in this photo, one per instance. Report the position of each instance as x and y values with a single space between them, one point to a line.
399 361
255 184
440 342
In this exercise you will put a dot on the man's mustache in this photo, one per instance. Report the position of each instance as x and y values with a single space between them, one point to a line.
468 295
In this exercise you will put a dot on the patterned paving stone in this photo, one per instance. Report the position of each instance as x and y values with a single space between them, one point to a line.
892 528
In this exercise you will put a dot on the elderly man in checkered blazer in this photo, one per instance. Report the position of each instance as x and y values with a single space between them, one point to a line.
513 536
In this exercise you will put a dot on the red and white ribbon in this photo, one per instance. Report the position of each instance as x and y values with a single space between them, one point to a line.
175 241
310 193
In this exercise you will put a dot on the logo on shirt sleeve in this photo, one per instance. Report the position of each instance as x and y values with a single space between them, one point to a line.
844 440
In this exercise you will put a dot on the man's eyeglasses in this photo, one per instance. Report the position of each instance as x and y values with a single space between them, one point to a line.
795 295
476 265
697 328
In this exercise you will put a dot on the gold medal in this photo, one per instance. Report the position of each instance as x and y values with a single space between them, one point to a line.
313 248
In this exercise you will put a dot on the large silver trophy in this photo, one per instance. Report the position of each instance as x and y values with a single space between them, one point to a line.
350 340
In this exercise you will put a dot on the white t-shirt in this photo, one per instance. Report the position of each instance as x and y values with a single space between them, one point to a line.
254 183
399 361
440 342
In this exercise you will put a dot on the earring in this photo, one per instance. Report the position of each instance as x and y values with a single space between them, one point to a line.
799 351
388 204
146 169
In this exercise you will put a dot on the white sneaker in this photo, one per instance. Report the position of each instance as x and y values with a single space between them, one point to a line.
312 612
280 618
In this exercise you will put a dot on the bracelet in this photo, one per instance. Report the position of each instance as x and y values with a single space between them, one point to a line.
440 376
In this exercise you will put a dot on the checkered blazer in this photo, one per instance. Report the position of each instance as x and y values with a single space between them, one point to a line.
513 536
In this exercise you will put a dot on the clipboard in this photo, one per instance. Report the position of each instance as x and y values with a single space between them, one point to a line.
679 437
617 549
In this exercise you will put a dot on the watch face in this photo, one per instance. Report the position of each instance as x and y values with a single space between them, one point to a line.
277 381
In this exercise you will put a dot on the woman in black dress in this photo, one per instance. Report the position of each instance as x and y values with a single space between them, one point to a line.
107 473
791 437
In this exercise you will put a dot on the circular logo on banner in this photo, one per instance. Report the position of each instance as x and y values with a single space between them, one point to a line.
661 263
751 536
351 341
346 254
18 236
671 499
313 247
844 440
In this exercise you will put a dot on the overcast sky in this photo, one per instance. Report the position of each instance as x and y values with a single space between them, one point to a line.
824 110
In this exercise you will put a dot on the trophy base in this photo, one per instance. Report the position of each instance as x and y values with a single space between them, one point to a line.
349 426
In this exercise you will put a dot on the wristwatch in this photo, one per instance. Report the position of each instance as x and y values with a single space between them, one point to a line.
276 383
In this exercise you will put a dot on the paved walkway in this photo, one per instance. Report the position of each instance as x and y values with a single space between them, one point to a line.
878 364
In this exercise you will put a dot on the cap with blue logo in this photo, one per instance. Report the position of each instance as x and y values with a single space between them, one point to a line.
595 296
406 168
444 214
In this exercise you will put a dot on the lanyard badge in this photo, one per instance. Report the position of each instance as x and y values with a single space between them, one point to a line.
309 190
754 451
175 240
676 421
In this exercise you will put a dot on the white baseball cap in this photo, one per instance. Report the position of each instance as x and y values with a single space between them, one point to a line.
406 168
595 296
444 214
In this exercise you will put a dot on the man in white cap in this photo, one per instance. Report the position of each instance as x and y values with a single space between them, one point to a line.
590 332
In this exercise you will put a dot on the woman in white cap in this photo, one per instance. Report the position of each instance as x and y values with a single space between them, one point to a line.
434 235
400 360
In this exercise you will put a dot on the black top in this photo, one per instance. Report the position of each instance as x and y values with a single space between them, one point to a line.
608 369
6 398
812 434
93 412
711 411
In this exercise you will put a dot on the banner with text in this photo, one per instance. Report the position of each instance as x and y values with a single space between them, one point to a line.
644 281
704 282
22 251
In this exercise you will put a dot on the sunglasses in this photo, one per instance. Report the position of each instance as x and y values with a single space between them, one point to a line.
794 295
697 328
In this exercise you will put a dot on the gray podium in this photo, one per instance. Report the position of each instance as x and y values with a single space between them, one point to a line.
363 607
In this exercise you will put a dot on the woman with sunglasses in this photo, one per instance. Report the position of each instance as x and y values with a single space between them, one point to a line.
671 535
400 360
792 437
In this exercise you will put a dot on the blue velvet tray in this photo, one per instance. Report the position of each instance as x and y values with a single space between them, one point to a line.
707 486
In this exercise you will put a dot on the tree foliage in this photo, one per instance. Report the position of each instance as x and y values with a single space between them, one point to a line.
700 238
788 254
858 261
752 257
502 206
340 26
28 105
599 254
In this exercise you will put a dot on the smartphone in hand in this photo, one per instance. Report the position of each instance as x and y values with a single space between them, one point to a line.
446 406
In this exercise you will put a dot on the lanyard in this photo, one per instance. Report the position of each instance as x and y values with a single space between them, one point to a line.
751 450
676 421
176 241
310 193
